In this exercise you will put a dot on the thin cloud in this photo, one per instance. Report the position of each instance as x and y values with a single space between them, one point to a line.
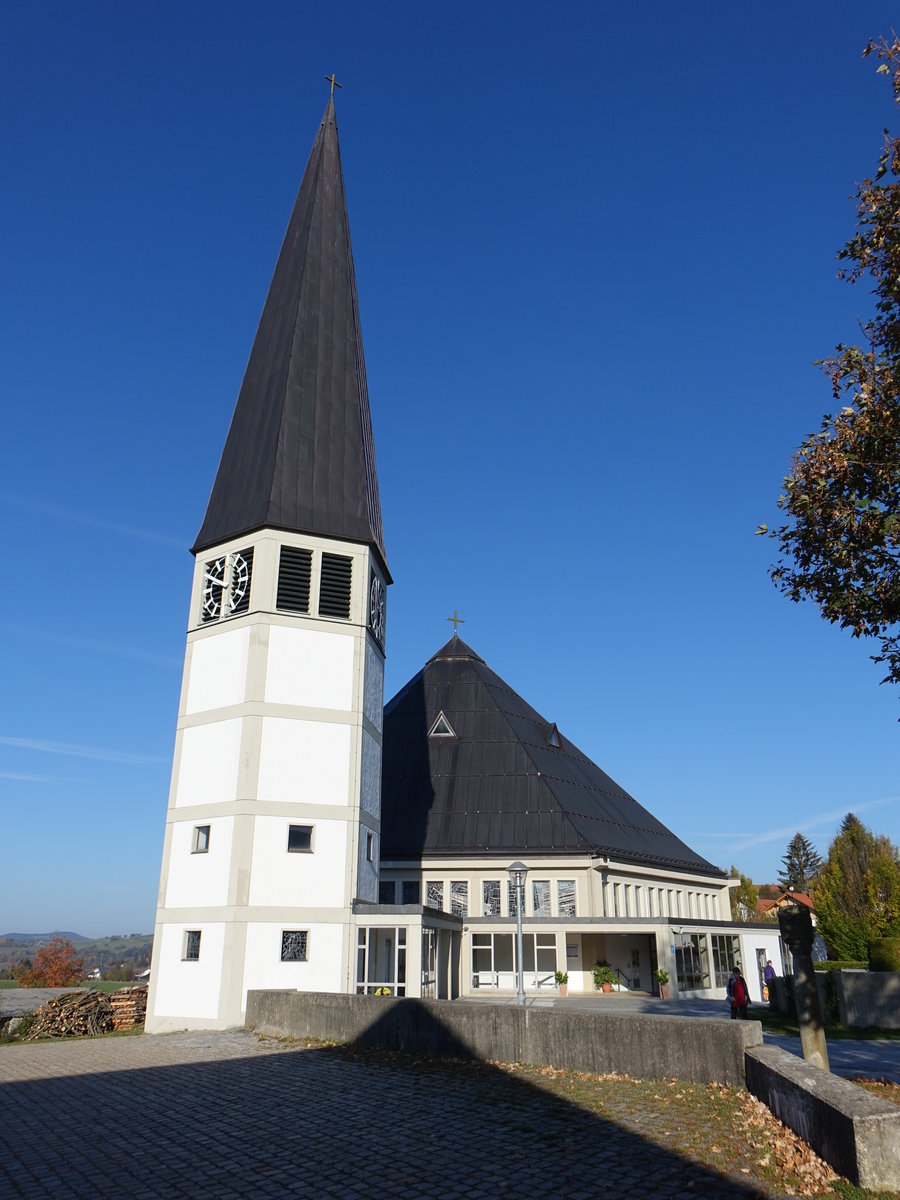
744 841
63 639
23 778
73 750
78 518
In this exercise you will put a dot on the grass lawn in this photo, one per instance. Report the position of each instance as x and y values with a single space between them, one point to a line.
774 1021
8 983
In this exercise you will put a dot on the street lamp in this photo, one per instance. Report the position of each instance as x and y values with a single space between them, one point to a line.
517 873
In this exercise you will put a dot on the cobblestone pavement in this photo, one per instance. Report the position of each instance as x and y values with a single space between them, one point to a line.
226 1115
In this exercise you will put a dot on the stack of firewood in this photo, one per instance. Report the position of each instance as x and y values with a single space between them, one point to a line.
74 1014
129 1007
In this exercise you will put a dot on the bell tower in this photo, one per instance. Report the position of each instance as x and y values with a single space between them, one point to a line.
273 821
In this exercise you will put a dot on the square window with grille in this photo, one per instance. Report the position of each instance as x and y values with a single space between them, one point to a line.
565 897
300 839
294 571
200 842
191 945
387 891
334 586
540 897
411 891
434 894
490 897
459 897
294 945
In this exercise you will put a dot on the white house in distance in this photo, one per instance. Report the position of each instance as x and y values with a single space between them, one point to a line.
288 861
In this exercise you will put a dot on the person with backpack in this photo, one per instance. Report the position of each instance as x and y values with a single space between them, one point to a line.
738 995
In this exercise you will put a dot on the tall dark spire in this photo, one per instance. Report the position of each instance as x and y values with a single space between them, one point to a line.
299 455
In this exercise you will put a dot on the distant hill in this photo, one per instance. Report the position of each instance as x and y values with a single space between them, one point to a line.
42 937
130 951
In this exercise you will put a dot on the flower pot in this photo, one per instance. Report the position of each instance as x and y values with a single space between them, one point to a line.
664 991
607 987
563 990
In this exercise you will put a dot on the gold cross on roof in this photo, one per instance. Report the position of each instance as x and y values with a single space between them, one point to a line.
334 83
457 620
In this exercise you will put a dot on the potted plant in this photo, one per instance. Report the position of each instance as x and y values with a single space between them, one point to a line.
562 979
604 976
661 975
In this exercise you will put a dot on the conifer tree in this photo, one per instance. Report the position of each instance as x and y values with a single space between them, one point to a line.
802 864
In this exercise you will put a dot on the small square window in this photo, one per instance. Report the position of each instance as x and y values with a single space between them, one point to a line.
200 843
411 891
370 847
300 839
191 945
293 945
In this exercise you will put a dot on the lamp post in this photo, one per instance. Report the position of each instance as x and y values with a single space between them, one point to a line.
517 873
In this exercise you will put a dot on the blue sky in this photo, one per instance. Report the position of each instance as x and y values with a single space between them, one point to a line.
595 253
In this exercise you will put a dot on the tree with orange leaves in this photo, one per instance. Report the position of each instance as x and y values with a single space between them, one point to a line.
54 965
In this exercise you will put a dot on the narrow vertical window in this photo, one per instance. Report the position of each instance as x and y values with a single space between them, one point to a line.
490 897
200 843
191 945
540 897
370 847
459 897
565 896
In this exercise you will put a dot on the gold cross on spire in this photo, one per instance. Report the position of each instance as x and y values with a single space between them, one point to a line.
457 620
334 83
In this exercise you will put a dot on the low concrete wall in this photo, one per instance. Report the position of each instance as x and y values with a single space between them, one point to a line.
856 1132
869 999
644 1047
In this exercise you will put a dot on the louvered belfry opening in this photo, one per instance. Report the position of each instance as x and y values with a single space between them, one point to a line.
335 584
294 572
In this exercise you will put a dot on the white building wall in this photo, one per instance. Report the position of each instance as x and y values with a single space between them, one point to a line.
190 990
304 762
196 880
208 763
279 878
309 668
263 967
218 670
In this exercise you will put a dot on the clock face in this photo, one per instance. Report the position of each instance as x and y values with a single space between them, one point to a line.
226 584
376 609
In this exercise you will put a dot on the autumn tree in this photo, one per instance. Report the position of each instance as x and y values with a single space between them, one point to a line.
801 864
742 898
53 965
840 547
857 893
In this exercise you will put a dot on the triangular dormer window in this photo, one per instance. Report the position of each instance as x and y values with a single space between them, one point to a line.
441 727
554 739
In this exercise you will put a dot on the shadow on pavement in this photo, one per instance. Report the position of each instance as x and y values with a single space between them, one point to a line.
320 1123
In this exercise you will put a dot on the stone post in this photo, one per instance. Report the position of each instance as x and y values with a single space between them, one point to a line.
796 928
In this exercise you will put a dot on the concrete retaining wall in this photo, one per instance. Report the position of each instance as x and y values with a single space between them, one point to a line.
644 1047
869 999
850 1128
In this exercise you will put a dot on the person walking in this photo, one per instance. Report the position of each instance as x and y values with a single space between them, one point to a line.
769 979
738 995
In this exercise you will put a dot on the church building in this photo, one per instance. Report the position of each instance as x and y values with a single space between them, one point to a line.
318 840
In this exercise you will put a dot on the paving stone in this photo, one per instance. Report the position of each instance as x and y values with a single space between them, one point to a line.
228 1116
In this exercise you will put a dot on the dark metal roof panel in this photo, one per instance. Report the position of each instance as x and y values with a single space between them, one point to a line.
299 454
499 786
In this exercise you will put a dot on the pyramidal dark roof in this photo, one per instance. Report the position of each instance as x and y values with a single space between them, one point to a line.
508 782
299 454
